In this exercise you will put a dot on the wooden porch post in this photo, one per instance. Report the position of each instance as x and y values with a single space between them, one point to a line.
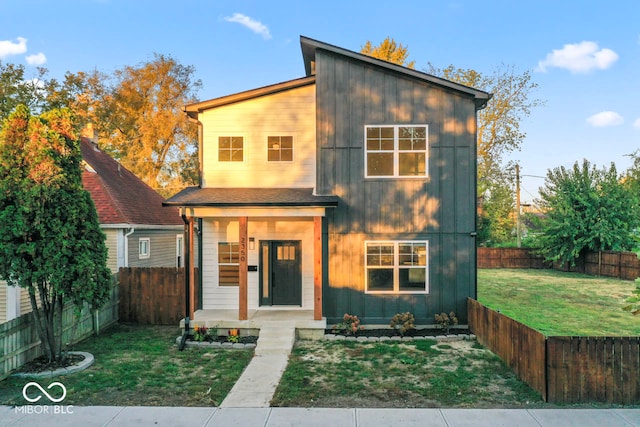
243 309
317 268
191 271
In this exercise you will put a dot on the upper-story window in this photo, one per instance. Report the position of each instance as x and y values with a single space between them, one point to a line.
280 148
230 149
396 151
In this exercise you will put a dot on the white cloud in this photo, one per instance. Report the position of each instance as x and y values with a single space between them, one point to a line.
636 123
37 59
605 118
255 26
7 47
579 58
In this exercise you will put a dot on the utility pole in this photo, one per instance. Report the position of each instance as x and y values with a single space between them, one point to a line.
518 237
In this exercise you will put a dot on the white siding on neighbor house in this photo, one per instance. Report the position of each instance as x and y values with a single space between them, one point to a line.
6 294
3 302
281 114
226 230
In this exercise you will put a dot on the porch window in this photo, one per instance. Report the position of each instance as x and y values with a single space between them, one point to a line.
395 151
396 267
280 148
229 263
230 149
144 248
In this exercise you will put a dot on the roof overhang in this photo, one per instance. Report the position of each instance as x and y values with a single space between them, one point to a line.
250 198
311 46
193 110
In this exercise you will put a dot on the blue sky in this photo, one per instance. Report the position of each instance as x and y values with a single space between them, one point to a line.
584 55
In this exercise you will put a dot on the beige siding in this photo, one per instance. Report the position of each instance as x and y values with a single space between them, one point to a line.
226 230
112 248
286 113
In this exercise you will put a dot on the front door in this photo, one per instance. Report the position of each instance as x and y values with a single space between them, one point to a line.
280 272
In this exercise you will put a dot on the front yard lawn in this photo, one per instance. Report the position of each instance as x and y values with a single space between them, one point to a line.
559 303
141 365
419 374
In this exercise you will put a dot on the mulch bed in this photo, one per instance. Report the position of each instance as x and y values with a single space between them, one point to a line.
388 332
222 339
42 364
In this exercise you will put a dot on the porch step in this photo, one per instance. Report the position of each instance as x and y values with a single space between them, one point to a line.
258 382
276 338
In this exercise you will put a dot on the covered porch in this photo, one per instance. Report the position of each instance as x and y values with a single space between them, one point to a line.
252 240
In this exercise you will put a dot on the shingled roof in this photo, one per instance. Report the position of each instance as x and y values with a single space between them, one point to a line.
121 198
245 197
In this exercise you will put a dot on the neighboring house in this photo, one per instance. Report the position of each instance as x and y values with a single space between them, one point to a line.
140 231
350 190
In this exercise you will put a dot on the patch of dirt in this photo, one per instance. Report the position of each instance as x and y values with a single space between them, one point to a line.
42 364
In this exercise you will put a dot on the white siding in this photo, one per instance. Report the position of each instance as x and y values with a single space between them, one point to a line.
285 113
226 230
3 302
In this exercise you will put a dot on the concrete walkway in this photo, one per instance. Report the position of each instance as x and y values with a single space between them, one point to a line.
258 382
320 417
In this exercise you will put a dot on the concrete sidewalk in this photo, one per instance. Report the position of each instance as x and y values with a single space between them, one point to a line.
311 417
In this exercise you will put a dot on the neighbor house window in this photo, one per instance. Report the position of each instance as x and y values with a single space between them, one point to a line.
396 266
230 149
229 263
144 247
280 148
396 151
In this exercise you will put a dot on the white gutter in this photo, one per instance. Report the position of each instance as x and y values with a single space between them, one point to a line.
126 246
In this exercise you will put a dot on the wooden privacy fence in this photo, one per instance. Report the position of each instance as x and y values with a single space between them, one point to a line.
153 296
622 265
19 341
562 369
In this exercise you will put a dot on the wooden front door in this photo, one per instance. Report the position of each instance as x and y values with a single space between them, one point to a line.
280 272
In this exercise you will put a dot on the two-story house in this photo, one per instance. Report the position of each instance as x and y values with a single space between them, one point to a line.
350 190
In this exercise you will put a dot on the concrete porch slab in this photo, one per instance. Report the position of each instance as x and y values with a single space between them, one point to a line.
224 319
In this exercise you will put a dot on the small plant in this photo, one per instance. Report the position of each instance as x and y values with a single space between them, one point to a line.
403 322
201 333
349 326
446 321
234 335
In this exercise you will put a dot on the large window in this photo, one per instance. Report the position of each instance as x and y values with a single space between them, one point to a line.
229 263
230 149
280 148
396 266
396 151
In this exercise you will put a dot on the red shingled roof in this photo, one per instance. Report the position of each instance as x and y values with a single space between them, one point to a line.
120 196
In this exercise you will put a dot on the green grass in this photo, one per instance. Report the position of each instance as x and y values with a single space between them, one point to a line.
418 374
141 365
560 303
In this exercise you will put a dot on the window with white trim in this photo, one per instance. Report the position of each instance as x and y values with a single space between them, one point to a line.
396 151
396 267
230 149
144 247
280 148
229 263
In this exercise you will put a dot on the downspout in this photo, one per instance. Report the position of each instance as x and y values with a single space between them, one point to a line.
126 246
187 276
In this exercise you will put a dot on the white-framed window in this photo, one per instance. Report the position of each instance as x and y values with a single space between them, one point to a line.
144 247
280 148
229 263
398 151
396 266
230 148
